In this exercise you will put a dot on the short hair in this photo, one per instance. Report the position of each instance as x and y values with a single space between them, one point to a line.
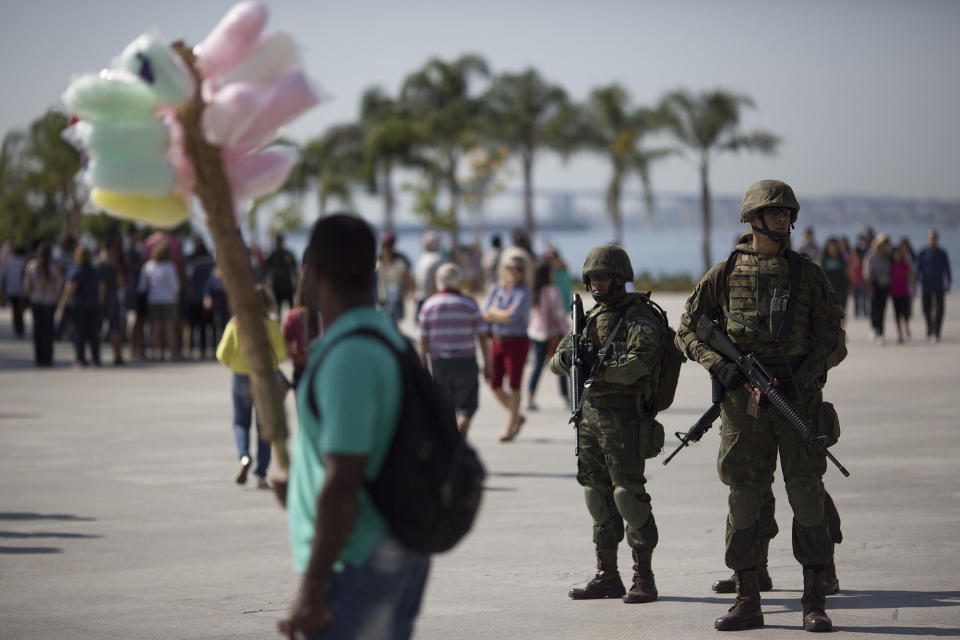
266 297
449 276
343 247
160 251
81 255
509 255
430 241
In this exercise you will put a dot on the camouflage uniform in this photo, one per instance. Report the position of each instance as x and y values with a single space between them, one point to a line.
756 289
618 431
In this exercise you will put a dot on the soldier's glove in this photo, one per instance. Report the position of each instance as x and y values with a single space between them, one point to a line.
729 375
566 358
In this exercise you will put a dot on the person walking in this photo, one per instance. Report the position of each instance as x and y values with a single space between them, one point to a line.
507 310
83 296
858 282
933 273
230 354
159 280
876 270
302 326
281 273
777 304
451 326
901 287
357 581
41 286
394 281
548 325
618 430
198 268
11 286
112 276
834 265
425 271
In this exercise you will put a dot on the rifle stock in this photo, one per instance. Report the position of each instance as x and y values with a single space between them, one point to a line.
759 377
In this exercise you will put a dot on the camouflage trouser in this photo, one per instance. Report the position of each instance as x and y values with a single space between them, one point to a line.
610 468
747 461
768 522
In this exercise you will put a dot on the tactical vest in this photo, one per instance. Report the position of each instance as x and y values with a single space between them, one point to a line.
772 297
600 321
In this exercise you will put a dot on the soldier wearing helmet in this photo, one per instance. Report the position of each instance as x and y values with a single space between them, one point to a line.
618 430
777 304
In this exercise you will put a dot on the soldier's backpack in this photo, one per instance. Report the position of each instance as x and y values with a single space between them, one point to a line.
431 481
671 359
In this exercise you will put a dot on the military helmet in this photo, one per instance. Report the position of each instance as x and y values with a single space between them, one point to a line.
608 258
768 193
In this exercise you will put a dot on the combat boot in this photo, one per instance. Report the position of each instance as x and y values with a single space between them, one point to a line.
607 582
831 583
745 612
814 600
728 585
644 588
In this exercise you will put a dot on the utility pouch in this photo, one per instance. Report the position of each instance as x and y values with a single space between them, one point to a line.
828 423
651 435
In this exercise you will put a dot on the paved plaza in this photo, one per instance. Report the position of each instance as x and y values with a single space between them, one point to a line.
119 517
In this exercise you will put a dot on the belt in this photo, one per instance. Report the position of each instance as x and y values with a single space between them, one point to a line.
508 338
612 402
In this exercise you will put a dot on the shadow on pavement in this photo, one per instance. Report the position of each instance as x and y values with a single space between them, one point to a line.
29 550
19 516
17 535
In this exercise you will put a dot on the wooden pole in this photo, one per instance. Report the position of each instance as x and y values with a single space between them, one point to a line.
232 257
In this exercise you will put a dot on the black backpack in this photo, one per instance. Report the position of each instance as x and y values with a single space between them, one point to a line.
431 480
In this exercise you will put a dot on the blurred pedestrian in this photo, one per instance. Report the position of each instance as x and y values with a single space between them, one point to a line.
394 281
230 354
41 286
83 297
112 277
11 286
876 269
835 267
858 282
809 245
158 279
450 323
548 325
425 273
933 272
561 276
215 302
507 310
901 284
490 260
302 326
199 266
281 273
136 301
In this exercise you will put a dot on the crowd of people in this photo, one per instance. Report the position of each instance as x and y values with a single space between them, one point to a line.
875 271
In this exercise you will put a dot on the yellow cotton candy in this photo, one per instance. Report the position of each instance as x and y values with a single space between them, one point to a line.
159 211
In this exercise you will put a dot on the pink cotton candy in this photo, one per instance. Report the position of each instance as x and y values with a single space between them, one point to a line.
257 174
231 113
283 101
232 39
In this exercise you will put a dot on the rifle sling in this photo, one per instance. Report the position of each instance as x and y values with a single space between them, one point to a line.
599 359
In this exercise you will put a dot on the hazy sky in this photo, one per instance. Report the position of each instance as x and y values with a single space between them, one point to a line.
866 94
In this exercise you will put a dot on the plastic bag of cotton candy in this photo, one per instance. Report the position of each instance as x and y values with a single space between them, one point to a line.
126 125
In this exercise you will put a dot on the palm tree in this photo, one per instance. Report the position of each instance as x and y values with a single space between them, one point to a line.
612 126
333 163
707 124
438 98
390 138
524 112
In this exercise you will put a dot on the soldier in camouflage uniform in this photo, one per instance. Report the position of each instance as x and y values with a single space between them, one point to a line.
779 305
617 431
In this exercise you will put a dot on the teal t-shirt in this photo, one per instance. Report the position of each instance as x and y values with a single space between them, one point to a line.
359 391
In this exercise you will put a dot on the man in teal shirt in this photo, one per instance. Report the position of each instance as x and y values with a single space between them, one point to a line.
358 581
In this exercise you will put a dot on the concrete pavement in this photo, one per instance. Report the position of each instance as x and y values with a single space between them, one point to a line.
119 517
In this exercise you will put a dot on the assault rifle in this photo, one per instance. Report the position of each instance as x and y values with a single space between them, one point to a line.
704 423
576 365
759 377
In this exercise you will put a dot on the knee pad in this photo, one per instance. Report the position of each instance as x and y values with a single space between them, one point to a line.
745 502
596 504
806 499
635 509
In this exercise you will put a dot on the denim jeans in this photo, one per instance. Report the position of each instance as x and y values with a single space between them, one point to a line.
379 599
541 349
242 411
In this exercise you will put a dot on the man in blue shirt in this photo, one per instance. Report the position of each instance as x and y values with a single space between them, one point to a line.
933 272
358 581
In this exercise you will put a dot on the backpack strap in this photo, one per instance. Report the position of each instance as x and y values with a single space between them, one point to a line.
359 331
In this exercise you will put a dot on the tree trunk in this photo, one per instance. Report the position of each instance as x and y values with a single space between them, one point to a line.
388 199
705 211
613 210
528 222
454 189
233 259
